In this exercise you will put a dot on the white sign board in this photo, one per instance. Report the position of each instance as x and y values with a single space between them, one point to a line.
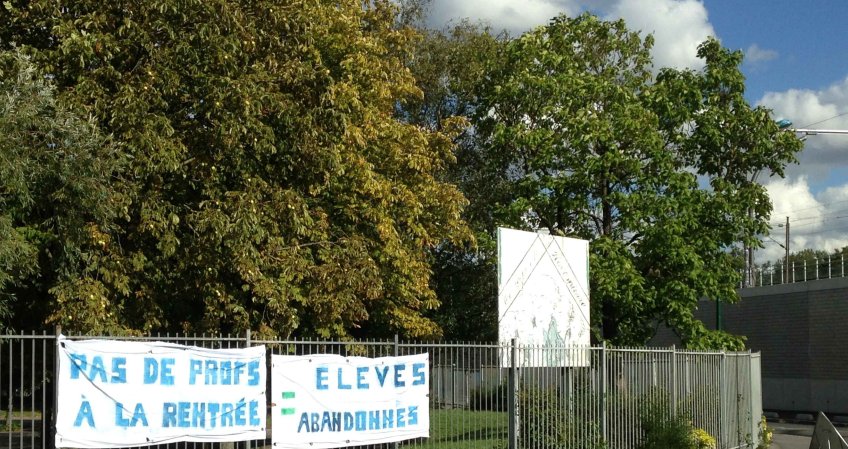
124 394
328 401
543 297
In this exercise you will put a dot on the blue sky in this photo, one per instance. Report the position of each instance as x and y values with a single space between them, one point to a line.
796 64
802 43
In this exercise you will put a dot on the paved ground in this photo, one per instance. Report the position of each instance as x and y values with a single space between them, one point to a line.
791 436
782 441
790 442
795 436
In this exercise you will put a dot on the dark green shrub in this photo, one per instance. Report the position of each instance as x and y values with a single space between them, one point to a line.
548 420
493 399
662 429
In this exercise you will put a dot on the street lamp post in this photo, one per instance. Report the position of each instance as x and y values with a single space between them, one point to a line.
784 125
813 132
803 132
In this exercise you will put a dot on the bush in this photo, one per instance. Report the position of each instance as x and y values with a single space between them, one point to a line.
493 399
662 429
549 421
766 434
552 418
703 439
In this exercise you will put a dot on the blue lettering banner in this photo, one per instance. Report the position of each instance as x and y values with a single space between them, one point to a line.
329 401
124 394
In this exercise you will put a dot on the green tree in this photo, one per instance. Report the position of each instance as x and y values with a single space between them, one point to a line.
659 174
449 65
56 205
270 186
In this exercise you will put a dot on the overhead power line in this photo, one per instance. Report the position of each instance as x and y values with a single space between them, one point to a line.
825 120
818 206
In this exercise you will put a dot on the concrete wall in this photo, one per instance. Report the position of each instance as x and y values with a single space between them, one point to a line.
801 330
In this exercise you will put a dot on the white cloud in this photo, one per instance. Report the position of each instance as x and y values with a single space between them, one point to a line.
819 220
816 222
820 109
514 16
678 26
754 54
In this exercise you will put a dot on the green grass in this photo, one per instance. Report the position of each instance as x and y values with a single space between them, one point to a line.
463 429
23 414
15 421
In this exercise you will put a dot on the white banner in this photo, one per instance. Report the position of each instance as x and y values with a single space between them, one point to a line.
543 297
123 394
328 401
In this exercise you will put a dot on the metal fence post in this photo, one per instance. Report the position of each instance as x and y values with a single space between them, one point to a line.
722 399
453 385
748 395
512 399
397 353
673 380
603 399
54 412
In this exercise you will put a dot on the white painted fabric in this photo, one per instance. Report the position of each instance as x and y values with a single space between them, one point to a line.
123 394
543 297
328 401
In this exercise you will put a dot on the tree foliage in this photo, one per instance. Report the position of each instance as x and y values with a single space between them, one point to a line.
56 205
269 185
576 136
449 66
287 167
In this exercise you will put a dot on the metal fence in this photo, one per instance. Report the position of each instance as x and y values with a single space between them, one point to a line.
481 395
799 271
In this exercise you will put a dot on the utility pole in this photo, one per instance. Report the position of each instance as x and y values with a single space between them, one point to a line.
752 275
787 272
786 259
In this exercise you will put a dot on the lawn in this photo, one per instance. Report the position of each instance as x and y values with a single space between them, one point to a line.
463 429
